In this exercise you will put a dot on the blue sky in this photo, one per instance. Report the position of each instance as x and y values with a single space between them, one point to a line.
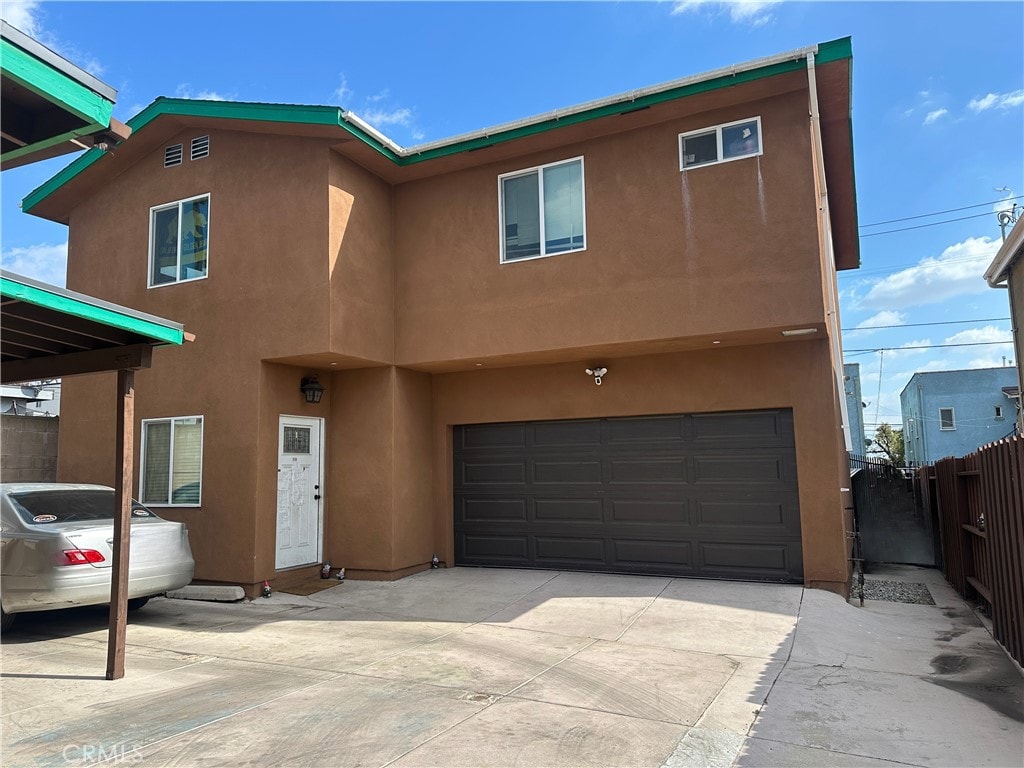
938 109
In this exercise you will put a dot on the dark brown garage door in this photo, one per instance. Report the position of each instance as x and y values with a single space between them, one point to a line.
710 494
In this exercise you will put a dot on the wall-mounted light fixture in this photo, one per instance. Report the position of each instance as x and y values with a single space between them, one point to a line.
799 331
312 389
597 373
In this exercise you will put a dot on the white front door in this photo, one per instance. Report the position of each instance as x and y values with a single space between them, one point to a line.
299 491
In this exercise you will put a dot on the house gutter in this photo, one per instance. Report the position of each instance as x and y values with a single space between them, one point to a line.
999 270
828 250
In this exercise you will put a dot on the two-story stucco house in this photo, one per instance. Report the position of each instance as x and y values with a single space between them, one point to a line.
953 413
457 302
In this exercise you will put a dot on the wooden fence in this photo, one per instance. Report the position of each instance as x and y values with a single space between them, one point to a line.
980 501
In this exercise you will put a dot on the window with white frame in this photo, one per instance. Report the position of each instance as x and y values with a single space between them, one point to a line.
172 461
720 143
178 240
542 211
999 411
946 419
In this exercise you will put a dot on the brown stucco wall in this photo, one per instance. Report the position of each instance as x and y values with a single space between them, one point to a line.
361 267
713 250
742 378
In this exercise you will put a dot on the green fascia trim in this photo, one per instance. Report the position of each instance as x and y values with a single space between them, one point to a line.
85 130
334 116
54 85
12 289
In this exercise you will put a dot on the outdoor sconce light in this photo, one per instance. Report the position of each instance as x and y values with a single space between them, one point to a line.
312 389
597 373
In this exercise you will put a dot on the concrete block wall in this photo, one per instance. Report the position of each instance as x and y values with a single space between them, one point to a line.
28 449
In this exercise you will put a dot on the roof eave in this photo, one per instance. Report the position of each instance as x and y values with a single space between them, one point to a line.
1011 249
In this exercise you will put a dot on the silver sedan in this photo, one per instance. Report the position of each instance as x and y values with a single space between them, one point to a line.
57 549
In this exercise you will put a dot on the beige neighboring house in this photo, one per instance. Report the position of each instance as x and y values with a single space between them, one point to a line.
1007 272
604 338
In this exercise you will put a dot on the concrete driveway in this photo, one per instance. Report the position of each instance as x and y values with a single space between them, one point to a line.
468 667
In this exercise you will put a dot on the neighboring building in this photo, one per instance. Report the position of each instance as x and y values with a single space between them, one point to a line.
450 297
953 413
1007 272
32 399
855 408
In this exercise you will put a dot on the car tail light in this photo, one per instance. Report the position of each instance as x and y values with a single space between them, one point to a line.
79 557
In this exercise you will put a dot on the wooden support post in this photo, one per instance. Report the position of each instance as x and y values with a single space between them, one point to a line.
124 442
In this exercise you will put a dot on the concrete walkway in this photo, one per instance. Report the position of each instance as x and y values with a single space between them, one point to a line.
468 667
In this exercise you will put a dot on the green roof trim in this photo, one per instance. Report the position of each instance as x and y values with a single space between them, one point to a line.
94 310
834 50
57 88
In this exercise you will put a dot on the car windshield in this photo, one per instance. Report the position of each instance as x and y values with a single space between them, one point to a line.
68 504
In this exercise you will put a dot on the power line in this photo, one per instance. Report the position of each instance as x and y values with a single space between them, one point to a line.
918 325
932 346
941 213
922 226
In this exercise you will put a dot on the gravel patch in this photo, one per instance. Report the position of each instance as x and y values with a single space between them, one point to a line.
897 591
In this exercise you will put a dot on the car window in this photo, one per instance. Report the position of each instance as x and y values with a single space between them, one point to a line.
67 504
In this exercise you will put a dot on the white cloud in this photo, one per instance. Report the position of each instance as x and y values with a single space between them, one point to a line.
992 361
986 334
956 272
342 92
46 262
997 101
184 91
21 14
934 115
909 349
753 12
885 317
379 117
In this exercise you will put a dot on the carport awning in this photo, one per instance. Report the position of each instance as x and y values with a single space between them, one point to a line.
50 332
50 107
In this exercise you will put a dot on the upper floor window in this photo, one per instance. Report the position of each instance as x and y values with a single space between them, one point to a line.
720 143
542 211
172 461
999 411
946 419
178 235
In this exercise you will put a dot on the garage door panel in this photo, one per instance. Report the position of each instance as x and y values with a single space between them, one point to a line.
711 495
657 470
489 510
638 552
646 429
494 549
650 511
741 514
743 428
745 557
492 435
737 469
568 510
564 433
555 550
564 472
491 473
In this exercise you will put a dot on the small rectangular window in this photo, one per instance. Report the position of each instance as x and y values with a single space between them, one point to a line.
172 155
946 419
720 143
200 147
999 411
172 461
178 241
542 211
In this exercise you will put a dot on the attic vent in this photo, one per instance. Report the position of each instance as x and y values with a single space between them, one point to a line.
200 147
172 156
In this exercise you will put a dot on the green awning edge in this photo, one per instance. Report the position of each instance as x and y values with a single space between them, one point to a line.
55 86
66 301
830 51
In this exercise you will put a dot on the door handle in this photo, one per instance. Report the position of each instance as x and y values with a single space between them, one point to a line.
316 497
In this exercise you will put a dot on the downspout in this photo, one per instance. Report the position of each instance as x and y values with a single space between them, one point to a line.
829 254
